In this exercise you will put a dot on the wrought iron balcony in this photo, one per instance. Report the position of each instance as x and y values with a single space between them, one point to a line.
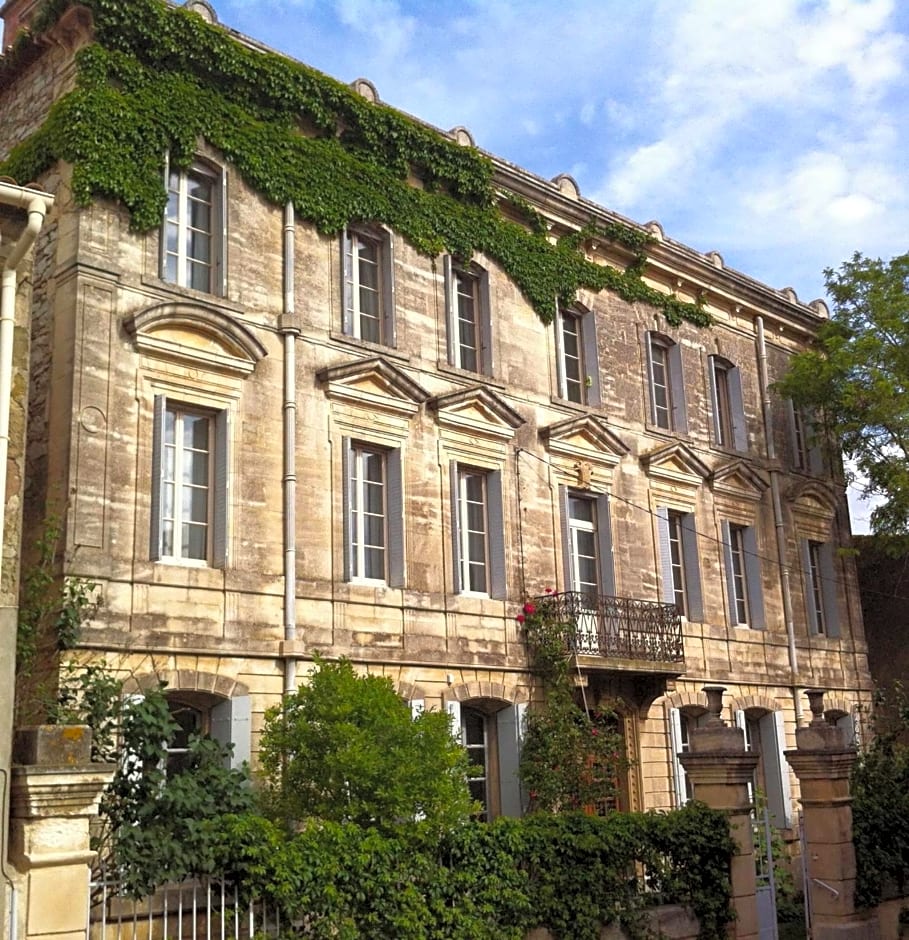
629 634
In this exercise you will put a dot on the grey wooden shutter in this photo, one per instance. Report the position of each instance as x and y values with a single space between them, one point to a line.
726 529
451 310
510 734
714 400
220 221
675 743
347 298
753 579
668 587
453 708
230 724
776 770
484 321
813 444
829 592
387 260
495 520
737 409
587 325
692 563
221 500
347 458
394 507
793 437
157 478
604 546
561 383
567 565
808 582
677 386
455 528
651 398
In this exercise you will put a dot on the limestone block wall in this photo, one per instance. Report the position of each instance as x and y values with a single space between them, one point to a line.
96 371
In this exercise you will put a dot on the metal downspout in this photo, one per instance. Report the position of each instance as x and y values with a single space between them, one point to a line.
289 330
782 554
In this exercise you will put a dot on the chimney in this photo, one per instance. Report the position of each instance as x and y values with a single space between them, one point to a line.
16 15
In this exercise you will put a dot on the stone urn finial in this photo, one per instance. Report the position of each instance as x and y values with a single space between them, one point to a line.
714 695
816 704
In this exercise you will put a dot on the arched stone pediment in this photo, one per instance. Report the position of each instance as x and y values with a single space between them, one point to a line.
195 335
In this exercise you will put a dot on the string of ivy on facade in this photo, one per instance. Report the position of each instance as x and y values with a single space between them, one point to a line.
159 78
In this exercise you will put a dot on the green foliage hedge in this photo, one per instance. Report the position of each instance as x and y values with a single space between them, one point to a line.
159 78
570 873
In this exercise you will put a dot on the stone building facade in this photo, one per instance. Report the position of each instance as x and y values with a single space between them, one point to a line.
266 443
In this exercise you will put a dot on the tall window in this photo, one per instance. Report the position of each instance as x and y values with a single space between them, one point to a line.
765 733
373 514
728 412
473 548
587 543
806 450
478 531
469 325
681 723
821 602
743 576
191 229
198 714
578 364
667 392
473 732
189 483
680 563
367 513
368 300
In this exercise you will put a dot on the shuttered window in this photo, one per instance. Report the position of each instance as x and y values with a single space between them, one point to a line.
189 484
368 286
478 531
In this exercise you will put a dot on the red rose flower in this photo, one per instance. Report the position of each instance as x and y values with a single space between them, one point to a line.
529 608
549 590
520 618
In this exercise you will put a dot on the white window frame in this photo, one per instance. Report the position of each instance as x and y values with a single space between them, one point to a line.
664 371
680 563
581 384
216 486
742 565
477 280
466 559
820 584
728 407
355 453
600 527
178 217
353 314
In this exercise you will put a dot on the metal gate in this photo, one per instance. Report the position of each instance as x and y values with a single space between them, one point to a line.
766 883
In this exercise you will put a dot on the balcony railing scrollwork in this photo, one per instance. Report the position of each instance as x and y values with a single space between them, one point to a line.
616 627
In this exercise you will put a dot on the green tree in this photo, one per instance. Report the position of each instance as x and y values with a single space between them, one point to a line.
855 381
346 748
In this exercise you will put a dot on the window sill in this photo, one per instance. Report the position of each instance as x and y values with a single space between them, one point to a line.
379 348
474 378
571 405
369 592
197 296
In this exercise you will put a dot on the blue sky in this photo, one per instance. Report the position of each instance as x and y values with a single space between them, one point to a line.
775 132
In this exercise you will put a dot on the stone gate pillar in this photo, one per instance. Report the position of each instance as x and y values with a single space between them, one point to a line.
54 795
720 770
822 761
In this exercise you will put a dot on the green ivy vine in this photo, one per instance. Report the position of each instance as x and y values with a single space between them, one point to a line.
158 78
